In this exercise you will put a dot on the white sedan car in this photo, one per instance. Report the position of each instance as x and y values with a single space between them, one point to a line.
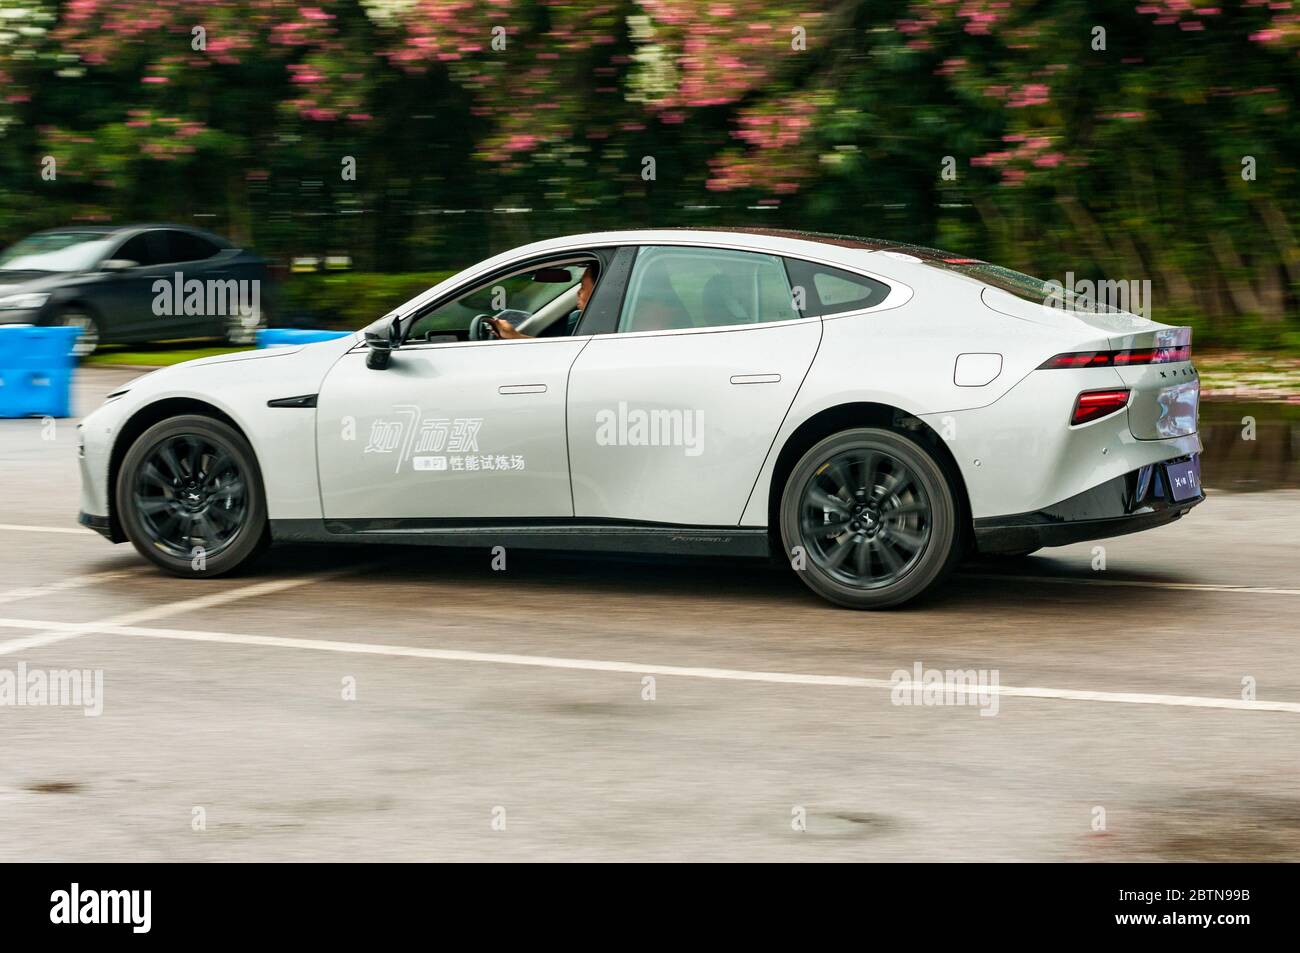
868 411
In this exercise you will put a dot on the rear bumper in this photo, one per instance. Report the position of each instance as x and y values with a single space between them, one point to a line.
1130 503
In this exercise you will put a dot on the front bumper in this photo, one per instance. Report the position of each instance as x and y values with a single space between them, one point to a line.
21 316
1135 501
95 436
100 524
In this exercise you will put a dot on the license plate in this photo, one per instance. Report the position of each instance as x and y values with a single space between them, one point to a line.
1184 479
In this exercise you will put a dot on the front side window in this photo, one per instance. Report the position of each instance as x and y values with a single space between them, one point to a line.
678 288
144 249
516 298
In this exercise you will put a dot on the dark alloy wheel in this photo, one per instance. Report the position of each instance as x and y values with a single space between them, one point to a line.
869 519
87 341
190 497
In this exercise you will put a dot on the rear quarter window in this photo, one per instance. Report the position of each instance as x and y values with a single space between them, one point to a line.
826 290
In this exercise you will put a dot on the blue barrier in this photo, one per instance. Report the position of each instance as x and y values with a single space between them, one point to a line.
36 367
284 337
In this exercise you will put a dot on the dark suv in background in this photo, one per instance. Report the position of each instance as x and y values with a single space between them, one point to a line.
133 283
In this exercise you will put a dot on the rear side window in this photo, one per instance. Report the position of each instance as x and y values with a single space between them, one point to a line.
675 288
186 246
825 290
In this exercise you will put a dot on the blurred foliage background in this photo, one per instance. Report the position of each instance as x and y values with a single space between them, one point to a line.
1109 139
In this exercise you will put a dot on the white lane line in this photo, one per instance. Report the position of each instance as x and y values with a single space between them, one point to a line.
72 582
23 528
719 674
61 631
1138 583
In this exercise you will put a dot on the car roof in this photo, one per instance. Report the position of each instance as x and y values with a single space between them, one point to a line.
923 252
880 258
786 240
97 229
114 229
218 240
863 255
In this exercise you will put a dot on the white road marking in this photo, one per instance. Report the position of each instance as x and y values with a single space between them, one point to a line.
1139 583
638 668
72 582
22 528
61 631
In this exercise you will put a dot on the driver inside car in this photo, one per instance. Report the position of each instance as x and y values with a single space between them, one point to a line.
505 329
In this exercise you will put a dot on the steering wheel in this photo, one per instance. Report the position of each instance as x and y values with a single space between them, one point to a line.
482 328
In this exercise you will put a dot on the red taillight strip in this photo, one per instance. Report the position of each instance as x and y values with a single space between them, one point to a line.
1155 355
1085 359
1152 355
1095 404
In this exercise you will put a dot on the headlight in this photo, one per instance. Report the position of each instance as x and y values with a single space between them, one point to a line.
24 302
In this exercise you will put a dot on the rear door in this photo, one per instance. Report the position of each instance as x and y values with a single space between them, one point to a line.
671 414
208 296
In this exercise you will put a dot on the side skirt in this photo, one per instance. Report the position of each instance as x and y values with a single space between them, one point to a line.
580 536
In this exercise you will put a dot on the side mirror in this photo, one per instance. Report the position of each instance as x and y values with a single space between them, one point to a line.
381 350
118 264
381 344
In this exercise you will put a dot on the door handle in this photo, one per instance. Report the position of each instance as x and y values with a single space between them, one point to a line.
755 378
522 389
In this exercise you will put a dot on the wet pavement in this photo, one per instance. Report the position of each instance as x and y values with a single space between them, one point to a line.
393 703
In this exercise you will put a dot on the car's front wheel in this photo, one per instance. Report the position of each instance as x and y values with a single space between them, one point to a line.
869 519
190 497
240 330
87 341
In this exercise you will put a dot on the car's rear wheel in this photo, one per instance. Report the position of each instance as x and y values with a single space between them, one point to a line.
869 519
88 340
190 498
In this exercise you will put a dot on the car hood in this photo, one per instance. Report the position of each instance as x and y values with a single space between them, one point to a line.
26 282
257 354
209 377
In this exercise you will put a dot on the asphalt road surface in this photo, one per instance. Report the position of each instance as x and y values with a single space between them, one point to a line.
413 704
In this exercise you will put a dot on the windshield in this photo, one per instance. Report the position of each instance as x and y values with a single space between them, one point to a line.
56 251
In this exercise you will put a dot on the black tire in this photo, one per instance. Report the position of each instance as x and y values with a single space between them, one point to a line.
190 498
88 340
875 517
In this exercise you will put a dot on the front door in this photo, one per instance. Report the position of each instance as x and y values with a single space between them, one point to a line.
448 430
